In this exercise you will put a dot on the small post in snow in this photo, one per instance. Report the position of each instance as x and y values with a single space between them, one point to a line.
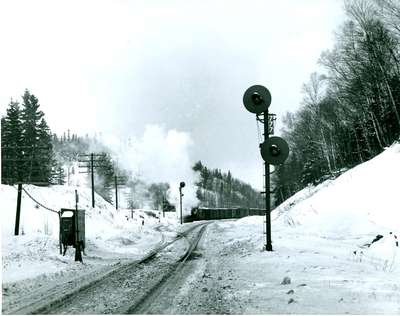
116 192
181 185
78 254
18 214
92 177
60 233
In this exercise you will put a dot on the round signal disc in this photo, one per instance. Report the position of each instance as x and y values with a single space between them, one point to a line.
274 150
257 99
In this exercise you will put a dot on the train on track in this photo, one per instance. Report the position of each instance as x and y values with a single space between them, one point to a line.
205 213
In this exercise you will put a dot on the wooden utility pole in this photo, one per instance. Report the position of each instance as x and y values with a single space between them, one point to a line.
90 165
92 174
116 192
18 215
118 180
24 176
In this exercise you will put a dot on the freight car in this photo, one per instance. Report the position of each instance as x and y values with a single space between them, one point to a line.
205 213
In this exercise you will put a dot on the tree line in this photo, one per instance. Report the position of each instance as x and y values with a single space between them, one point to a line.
26 146
217 189
351 112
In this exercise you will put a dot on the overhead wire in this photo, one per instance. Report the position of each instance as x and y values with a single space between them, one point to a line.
37 202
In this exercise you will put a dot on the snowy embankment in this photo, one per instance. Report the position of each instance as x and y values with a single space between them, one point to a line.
323 259
362 201
360 204
111 235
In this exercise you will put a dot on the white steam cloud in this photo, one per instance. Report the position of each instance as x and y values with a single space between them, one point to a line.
161 156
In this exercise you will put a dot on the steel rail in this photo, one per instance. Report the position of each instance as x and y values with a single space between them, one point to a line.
57 295
142 306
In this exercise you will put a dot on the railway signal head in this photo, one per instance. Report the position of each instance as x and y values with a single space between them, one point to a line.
274 150
257 99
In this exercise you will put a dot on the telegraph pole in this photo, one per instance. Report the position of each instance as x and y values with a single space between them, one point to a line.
90 165
118 180
15 154
18 215
116 192
92 174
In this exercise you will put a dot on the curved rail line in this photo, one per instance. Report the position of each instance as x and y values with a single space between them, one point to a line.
51 298
142 306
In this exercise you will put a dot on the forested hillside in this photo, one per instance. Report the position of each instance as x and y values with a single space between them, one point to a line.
217 189
351 112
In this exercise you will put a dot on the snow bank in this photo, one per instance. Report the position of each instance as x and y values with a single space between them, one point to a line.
110 234
363 199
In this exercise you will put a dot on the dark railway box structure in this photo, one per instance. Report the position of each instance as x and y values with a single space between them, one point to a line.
72 228
205 213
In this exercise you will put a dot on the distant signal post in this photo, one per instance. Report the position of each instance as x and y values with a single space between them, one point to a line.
274 150
181 186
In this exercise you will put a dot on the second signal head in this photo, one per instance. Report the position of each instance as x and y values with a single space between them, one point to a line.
274 150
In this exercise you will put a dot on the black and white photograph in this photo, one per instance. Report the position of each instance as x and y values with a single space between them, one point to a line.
195 157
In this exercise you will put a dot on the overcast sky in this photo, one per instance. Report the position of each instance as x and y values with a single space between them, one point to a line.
116 66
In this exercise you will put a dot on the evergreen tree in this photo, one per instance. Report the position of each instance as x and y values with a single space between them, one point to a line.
11 139
48 165
104 177
36 141
31 118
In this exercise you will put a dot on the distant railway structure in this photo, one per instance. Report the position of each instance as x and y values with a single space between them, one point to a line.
206 213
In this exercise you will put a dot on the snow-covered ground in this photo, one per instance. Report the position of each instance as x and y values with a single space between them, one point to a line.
363 199
320 239
305 274
321 261
111 235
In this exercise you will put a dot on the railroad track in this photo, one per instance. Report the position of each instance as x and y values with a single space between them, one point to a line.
142 306
75 296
